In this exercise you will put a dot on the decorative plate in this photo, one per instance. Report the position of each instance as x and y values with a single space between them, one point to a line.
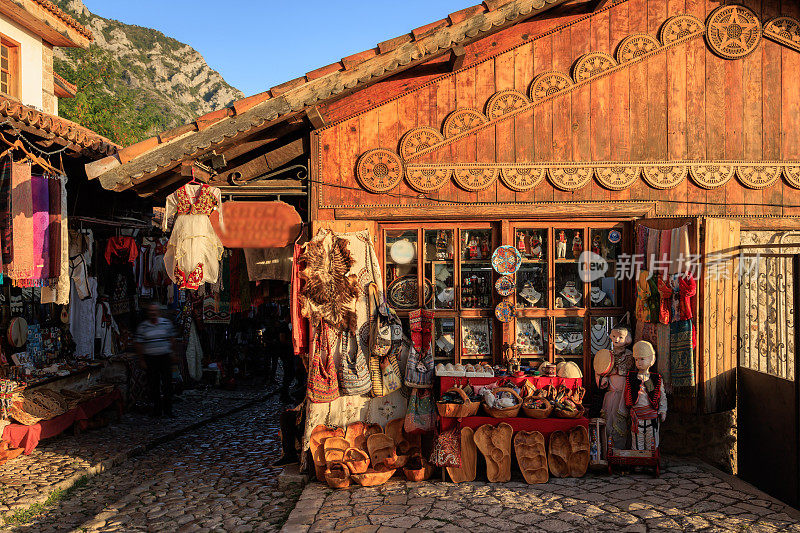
504 311
614 236
402 292
506 259
504 285
402 252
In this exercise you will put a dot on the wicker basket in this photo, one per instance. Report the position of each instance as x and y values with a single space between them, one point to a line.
34 406
508 412
577 413
455 410
538 413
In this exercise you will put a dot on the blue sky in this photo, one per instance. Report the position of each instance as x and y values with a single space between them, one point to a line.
258 44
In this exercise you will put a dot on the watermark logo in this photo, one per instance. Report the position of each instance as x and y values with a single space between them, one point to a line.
591 267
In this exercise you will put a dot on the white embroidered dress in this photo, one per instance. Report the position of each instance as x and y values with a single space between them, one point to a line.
194 249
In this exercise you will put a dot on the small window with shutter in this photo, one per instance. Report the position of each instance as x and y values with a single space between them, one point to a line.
9 67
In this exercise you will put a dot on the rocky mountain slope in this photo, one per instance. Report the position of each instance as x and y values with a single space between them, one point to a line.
134 82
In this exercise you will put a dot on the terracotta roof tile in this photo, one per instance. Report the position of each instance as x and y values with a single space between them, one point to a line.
240 106
422 31
288 86
60 127
491 5
129 152
213 117
463 14
67 86
66 19
177 132
390 44
356 59
322 71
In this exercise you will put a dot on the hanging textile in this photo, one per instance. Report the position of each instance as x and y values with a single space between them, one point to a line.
82 320
194 249
22 221
105 328
299 323
681 356
41 221
245 293
269 263
663 354
236 293
54 227
653 245
217 305
59 293
121 250
643 297
158 271
6 232
194 354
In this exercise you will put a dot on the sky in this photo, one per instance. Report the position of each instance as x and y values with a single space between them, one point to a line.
256 44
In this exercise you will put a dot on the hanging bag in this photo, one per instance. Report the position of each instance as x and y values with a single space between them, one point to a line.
447 448
323 385
354 377
420 415
419 367
385 341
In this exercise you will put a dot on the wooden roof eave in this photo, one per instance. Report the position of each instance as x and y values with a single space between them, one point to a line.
295 101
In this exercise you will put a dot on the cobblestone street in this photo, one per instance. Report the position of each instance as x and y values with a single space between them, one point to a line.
687 497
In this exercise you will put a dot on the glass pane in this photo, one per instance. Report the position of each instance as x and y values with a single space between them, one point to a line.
568 285
4 51
531 337
568 341
445 339
4 63
532 275
440 268
476 337
476 268
401 269
604 291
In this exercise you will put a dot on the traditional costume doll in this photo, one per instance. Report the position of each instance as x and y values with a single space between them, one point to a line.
561 245
613 401
645 399
577 245
521 243
596 244
536 247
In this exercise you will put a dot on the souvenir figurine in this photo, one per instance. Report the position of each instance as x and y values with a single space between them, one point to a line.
484 253
613 401
561 245
645 399
521 243
536 247
596 243
577 244
473 252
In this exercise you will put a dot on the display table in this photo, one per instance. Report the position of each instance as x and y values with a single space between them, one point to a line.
539 382
28 437
545 426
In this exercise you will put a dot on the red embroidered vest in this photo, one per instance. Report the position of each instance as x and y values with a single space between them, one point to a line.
632 385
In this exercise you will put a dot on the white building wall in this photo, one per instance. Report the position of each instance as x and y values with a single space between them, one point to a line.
30 61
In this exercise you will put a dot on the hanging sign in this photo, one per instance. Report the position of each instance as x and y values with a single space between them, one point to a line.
256 224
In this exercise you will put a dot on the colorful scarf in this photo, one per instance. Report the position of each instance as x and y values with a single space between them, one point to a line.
653 245
41 221
299 323
641 239
54 227
22 221
681 356
6 234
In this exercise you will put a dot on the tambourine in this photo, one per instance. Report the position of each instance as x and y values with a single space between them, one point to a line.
18 332
603 362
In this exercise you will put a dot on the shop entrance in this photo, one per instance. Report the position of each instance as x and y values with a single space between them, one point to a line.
768 407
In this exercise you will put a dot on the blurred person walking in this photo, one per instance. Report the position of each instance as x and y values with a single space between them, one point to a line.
155 345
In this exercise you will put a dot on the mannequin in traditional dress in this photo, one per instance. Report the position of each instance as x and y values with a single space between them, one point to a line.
613 401
645 399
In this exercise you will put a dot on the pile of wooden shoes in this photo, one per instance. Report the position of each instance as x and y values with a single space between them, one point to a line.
366 454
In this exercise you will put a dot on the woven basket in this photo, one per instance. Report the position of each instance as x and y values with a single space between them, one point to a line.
454 410
73 398
577 413
538 413
34 406
508 412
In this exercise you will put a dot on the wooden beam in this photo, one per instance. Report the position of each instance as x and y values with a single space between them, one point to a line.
587 210
262 137
193 169
269 161
597 5
457 56
315 118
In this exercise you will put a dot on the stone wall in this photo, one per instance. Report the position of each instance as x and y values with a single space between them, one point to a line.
49 101
710 437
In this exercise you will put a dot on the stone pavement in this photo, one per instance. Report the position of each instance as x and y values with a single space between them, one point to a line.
59 462
216 478
689 496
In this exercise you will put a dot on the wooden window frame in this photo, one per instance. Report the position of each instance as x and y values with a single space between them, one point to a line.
13 66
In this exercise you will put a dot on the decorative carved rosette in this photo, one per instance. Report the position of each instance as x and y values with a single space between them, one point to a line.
733 31
418 139
664 176
635 46
711 176
758 176
462 120
547 84
569 178
617 178
792 175
784 30
379 170
679 27
522 178
427 178
504 102
592 64
475 178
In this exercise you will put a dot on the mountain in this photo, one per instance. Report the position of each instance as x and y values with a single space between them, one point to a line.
135 82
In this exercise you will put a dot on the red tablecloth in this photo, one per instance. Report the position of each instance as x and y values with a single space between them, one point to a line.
538 381
28 437
543 425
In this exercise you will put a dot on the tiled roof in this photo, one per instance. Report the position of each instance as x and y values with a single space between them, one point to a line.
390 56
66 86
66 19
49 124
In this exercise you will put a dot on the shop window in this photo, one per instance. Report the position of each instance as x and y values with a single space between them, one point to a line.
9 67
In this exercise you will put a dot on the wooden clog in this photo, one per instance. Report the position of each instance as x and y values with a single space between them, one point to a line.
381 450
334 448
356 460
578 461
373 477
316 442
531 456
337 475
558 453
